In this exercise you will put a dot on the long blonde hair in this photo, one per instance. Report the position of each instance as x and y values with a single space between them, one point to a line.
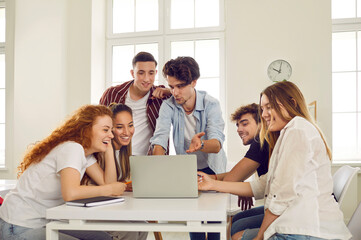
290 96
76 128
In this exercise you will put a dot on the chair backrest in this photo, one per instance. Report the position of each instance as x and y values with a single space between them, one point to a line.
354 223
341 181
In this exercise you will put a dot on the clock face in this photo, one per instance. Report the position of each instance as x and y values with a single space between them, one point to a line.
279 70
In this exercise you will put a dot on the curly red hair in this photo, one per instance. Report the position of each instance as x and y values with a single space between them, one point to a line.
76 128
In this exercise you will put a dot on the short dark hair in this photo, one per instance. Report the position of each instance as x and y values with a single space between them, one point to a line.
143 57
184 69
250 108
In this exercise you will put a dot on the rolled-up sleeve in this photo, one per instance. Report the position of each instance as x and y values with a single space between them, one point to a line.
215 123
293 154
164 121
258 186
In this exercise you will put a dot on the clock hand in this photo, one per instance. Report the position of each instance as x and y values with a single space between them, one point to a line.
276 70
279 70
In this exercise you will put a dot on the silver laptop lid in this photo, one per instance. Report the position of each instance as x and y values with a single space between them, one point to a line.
165 176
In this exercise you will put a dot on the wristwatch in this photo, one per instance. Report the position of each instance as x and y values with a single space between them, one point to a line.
202 145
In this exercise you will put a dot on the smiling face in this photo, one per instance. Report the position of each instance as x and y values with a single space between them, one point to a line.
247 128
144 76
123 129
274 121
101 134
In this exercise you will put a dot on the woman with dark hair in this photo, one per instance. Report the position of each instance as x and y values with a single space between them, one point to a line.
123 131
298 186
51 171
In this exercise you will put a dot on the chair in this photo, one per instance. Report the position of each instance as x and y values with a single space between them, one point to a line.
341 181
354 223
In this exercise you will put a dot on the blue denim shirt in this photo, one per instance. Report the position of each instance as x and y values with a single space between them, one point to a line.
208 116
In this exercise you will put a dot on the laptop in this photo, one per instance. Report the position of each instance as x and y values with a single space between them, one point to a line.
165 176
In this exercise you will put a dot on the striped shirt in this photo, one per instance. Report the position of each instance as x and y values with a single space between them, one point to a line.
118 94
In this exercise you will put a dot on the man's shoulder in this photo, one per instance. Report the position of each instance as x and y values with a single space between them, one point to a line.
121 86
207 98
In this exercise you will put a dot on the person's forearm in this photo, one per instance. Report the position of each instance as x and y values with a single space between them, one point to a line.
158 150
268 218
242 170
110 172
220 176
80 192
211 146
237 188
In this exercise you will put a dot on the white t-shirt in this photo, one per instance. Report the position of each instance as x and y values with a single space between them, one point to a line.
143 131
39 186
189 132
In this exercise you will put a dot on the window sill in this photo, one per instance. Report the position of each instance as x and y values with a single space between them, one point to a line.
346 162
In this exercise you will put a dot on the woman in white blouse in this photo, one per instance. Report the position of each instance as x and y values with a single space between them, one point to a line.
298 186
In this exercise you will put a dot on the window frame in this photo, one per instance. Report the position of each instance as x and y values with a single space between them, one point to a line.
339 26
3 51
163 36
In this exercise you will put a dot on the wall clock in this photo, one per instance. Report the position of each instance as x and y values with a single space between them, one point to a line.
279 70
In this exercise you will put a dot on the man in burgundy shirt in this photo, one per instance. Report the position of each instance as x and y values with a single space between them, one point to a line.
142 97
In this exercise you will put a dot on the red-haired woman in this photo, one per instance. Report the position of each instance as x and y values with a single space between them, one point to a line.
51 171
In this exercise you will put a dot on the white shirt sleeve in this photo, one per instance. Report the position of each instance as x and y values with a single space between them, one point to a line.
70 154
258 186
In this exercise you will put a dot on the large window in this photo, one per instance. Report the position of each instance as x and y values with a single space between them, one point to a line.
167 29
2 84
346 80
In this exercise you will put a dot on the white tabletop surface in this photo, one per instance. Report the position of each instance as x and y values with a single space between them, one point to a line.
208 206
6 185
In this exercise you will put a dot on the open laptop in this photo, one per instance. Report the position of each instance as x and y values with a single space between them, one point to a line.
173 176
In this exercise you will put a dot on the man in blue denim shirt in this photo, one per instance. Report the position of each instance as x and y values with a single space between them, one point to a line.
196 118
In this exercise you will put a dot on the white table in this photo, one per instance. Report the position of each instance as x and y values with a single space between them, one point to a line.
207 207
6 185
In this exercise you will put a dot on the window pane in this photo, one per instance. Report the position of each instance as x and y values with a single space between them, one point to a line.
146 15
344 135
344 92
359 50
343 8
358 8
210 85
2 70
122 60
2 144
183 48
344 51
359 95
207 56
207 13
2 105
122 63
123 16
2 24
182 14
206 53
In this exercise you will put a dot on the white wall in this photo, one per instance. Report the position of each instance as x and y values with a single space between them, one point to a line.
259 32
52 68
